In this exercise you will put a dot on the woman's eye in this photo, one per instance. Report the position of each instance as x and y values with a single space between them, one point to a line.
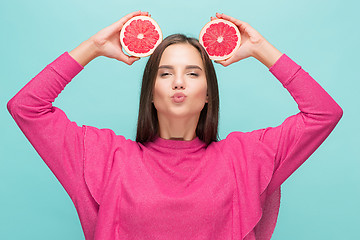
194 74
164 74
191 74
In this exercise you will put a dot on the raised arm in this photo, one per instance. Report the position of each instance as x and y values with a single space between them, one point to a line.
292 142
58 140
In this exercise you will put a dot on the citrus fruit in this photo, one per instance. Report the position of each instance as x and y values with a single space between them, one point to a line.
140 36
220 38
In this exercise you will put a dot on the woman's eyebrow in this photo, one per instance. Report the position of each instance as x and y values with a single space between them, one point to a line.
187 67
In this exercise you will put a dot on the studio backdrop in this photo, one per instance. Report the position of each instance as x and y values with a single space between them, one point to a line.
319 201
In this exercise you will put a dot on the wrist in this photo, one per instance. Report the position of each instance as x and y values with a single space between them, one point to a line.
85 52
267 54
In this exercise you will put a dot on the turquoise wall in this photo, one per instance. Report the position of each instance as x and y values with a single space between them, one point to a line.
320 200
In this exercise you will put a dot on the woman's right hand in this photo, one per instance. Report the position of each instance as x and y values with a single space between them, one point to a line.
107 40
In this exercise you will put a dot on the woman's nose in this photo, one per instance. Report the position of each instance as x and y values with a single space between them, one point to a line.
179 86
179 83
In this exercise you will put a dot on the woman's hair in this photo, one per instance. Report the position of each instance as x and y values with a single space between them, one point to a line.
148 125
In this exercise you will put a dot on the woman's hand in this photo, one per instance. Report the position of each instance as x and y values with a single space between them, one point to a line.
251 40
108 43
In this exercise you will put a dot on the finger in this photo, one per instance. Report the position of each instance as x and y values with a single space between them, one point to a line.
226 62
241 24
121 56
129 59
232 19
244 27
132 59
212 18
119 24
223 62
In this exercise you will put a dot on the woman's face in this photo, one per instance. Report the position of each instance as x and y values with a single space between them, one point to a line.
181 70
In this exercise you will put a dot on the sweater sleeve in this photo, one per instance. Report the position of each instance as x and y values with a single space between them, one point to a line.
57 140
299 135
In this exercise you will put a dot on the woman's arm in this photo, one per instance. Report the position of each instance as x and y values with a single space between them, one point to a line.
267 54
292 142
301 134
59 141
85 52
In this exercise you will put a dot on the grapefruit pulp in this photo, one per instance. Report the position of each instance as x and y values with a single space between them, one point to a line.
220 38
140 36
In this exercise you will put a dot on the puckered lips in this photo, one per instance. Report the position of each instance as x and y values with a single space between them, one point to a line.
178 97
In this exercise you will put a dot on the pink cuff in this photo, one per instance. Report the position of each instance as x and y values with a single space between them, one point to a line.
66 66
284 69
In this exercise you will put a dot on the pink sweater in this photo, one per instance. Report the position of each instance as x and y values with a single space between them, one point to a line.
170 189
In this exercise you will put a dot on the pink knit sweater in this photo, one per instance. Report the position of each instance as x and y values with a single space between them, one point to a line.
168 189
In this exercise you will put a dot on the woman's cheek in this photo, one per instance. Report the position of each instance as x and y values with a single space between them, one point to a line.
161 100
202 92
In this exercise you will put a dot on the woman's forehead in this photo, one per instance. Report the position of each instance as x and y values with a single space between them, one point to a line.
181 55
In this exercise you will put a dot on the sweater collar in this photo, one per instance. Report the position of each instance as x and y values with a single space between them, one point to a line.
178 144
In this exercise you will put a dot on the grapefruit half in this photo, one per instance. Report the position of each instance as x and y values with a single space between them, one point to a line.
140 36
220 38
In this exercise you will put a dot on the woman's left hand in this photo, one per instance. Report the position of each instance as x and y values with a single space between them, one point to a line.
251 40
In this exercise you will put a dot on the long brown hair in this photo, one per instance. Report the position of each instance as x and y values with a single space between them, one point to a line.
148 125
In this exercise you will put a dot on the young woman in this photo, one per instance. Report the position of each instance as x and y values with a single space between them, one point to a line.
177 180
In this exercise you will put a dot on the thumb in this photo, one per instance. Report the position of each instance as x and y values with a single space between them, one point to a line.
226 62
133 59
121 56
130 59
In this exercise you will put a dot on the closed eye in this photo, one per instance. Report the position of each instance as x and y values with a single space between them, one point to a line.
194 74
164 74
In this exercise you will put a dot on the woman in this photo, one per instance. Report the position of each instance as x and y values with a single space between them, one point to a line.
177 180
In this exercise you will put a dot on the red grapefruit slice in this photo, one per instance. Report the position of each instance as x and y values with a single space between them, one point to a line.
220 38
140 36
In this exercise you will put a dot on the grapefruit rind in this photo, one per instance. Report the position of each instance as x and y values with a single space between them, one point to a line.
157 29
216 21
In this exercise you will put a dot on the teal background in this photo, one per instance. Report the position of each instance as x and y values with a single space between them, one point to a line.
320 200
